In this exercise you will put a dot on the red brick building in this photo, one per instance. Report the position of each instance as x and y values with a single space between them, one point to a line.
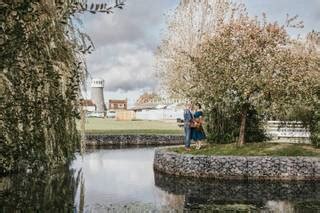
118 104
88 105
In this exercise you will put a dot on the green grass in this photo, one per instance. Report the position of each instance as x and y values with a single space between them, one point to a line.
113 127
255 149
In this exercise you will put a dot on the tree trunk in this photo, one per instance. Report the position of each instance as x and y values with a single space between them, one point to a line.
243 126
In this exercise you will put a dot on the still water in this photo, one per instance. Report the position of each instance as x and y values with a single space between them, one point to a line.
123 180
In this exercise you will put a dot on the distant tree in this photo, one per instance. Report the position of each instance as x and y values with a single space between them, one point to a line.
148 98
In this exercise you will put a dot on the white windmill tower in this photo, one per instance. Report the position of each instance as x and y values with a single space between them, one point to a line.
97 97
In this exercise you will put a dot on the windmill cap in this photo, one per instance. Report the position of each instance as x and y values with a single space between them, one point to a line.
97 82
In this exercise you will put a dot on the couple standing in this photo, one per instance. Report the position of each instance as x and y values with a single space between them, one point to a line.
193 129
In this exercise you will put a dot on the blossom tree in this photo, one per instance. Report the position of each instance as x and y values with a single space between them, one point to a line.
241 64
252 63
190 23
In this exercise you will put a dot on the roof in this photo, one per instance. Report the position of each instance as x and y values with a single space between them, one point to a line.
157 106
87 102
144 106
117 101
175 106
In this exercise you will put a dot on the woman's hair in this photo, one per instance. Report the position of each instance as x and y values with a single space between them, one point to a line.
198 105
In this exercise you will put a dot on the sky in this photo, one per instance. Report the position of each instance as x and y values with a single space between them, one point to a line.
126 40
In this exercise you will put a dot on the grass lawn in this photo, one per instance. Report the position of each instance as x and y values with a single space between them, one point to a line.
111 127
255 149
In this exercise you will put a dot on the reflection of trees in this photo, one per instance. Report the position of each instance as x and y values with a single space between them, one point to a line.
82 194
202 192
130 207
52 191
171 200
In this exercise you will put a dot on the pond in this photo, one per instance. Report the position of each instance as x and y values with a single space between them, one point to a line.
123 180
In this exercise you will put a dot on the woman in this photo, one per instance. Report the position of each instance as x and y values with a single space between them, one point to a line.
197 133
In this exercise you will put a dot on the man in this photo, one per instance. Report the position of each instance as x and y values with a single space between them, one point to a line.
187 116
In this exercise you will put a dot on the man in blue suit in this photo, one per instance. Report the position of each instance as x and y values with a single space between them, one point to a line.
187 116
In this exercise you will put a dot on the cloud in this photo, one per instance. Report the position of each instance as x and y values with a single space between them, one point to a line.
123 66
125 42
134 23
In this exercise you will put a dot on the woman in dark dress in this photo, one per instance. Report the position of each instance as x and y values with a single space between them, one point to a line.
197 133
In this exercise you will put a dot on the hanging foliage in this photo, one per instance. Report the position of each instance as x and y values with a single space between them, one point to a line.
42 68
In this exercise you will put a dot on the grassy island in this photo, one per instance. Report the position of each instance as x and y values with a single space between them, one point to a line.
255 149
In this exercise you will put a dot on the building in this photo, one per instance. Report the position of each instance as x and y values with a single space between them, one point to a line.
158 111
115 105
88 106
97 97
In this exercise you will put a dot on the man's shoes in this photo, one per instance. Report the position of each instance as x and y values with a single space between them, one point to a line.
187 149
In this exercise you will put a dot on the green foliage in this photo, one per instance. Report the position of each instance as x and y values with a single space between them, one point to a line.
41 85
315 128
42 68
310 117
223 126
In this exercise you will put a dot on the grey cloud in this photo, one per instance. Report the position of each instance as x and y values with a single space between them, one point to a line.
125 40
123 66
131 24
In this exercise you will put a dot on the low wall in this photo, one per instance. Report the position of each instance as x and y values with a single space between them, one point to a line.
96 140
234 167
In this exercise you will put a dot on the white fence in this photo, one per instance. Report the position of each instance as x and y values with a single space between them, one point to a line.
290 131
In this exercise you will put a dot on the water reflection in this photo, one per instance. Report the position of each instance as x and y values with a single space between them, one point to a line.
51 191
123 180
117 176
266 196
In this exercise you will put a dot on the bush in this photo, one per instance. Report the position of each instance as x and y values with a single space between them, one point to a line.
315 129
310 118
223 127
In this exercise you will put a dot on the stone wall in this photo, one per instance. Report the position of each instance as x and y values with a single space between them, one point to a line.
97 140
234 167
